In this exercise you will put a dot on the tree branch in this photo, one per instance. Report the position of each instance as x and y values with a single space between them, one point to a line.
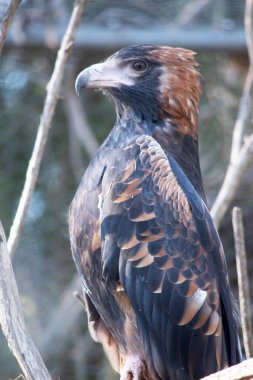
53 90
12 322
241 156
189 13
232 181
7 11
57 331
241 371
78 119
243 281
244 103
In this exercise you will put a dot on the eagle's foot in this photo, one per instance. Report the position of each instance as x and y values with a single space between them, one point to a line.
134 369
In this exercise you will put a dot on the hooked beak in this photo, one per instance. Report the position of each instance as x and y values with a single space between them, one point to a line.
102 75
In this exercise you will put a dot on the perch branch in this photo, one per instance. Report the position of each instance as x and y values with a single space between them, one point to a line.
12 322
241 371
7 12
243 281
53 90
241 156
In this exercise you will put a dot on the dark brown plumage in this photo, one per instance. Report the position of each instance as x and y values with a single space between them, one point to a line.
151 262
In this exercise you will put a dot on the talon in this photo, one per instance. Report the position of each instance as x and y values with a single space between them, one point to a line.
134 369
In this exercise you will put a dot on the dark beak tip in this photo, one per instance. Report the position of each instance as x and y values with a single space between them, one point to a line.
77 86
81 81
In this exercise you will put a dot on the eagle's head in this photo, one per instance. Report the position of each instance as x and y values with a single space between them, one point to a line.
158 83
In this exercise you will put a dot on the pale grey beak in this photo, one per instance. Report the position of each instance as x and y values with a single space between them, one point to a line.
89 77
102 75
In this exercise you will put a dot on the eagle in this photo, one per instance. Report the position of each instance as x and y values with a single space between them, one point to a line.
151 262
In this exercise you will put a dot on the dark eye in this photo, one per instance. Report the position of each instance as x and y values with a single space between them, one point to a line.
139 65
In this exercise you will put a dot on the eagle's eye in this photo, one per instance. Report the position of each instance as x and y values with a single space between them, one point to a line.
139 65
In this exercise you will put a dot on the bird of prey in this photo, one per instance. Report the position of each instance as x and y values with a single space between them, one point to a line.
150 259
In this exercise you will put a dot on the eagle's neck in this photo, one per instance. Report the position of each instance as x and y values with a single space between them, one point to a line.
128 124
184 149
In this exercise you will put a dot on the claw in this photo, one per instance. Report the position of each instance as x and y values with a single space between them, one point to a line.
134 368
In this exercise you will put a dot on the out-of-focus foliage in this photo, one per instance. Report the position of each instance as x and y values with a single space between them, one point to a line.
43 263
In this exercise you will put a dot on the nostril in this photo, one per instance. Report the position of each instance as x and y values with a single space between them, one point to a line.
98 70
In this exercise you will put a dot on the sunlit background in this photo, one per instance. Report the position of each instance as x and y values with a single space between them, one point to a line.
43 264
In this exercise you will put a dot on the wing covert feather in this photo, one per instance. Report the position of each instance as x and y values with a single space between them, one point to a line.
170 261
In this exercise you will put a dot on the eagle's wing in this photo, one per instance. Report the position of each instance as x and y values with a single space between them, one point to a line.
159 241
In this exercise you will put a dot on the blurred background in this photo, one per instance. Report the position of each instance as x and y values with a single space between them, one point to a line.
43 264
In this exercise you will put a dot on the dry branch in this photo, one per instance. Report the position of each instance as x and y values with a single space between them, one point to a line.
78 120
57 332
53 91
232 181
248 28
241 156
8 9
12 322
243 281
241 371
191 11
245 99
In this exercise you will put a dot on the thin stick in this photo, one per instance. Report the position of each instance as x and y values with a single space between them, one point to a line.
248 28
56 333
190 12
237 166
10 11
78 120
241 371
80 299
245 99
12 322
232 181
242 117
53 90
243 281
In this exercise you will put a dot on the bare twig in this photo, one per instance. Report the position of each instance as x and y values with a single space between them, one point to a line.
12 322
241 156
191 11
241 371
76 159
248 28
243 281
242 117
80 298
56 333
53 90
78 120
245 99
232 181
8 10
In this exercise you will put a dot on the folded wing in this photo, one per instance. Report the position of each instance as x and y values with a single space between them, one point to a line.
159 242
